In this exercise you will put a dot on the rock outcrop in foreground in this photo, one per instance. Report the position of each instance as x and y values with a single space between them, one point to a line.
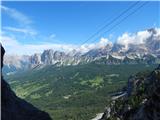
14 108
141 101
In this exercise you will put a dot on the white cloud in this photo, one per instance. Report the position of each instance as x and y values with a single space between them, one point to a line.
18 16
24 22
125 39
21 30
52 36
8 41
12 46
102 43
139 38
86 47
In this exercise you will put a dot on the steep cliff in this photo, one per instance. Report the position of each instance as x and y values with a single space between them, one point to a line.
14 108
141 101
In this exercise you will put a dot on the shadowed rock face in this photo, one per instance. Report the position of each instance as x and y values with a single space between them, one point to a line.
15 108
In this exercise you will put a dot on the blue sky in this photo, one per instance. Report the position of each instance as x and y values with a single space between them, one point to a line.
61 23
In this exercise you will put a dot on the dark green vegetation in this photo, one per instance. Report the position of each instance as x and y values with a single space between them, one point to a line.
142 99
73 92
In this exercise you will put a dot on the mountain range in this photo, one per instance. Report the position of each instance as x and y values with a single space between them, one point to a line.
142 47
78 85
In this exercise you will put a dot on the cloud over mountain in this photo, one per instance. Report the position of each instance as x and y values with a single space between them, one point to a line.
138 38
13 46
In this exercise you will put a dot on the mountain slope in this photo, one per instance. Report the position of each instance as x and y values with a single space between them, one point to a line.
15 108
141 101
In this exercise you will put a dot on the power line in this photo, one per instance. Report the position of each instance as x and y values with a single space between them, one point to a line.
109 23
124 18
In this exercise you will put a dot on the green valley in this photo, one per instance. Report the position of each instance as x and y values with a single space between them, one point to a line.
73 92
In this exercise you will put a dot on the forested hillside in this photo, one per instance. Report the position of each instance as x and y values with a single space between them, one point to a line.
73 92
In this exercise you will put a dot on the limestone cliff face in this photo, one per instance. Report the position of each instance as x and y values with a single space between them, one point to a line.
15 108
142 101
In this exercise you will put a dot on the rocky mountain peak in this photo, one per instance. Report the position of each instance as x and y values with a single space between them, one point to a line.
35 59
135 46
152 30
